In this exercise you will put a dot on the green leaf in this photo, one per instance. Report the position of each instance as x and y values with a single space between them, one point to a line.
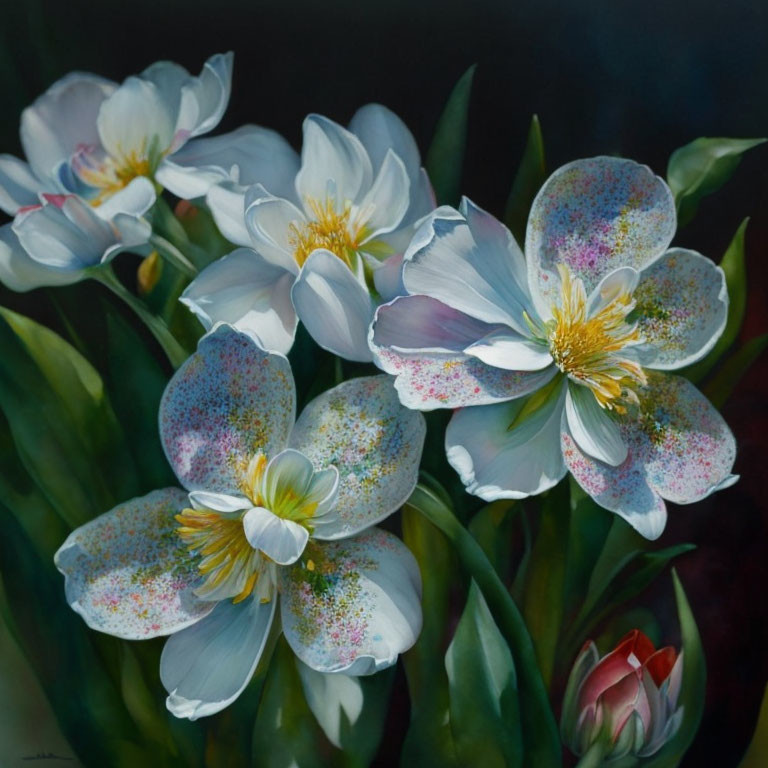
722 385
493 527
64 429
757 754
545 580
694 686
734 268
429 741
485 713
285 733
530 175
540 732
350 710
701 168
445 158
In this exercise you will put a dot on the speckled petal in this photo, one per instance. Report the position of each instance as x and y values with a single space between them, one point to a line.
227 402
421 342
496 462
682 307
594 216
356 608
679 448
361 428
127 572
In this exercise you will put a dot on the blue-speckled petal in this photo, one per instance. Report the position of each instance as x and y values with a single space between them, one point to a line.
228 402
594 216
374 442
129 574
356 608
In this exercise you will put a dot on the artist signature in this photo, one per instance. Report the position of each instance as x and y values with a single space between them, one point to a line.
45 756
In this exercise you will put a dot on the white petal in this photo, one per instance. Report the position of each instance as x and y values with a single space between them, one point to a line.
135 120
334 164
596 432
621 280
249 292
497 458
270 222
682 302
335 308
383 207
388 278
280 540
335 700
127 572
248 155
205 667
507 349
211 92
471 264
220 502
227 205
19 186
374 442
135 199
60 120
20 272
362 613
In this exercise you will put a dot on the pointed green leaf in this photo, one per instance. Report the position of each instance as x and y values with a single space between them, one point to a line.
757 754
694 685
721 387
485 712
701 168
445 158
493 527
733 266
63 426
545 580
530 175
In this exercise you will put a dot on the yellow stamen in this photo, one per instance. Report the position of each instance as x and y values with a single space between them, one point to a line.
588 348
329 229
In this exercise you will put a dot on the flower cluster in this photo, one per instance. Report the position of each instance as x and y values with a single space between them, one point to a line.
556 357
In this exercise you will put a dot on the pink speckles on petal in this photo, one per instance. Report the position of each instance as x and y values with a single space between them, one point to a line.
358 606
374 442
596 215
129 574
229 401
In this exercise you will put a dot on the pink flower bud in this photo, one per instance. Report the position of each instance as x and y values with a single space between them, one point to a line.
627 698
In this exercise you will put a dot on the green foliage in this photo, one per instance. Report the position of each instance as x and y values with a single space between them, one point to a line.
722 385
445 158
482 685
700 168
734 268
531 174
757 754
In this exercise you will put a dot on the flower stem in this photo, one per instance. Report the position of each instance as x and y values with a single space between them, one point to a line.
594 755
173 255
175 353
539 727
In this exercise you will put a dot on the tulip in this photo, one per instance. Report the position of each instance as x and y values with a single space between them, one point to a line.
624 702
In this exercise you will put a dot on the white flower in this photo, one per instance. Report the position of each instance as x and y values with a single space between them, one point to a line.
560 360
93 142
276 511
323 238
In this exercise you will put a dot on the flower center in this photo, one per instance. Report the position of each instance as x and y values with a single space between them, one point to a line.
230 565
328 229
588 348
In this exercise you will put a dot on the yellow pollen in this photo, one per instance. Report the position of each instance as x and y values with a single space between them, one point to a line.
328 229
225 553
587 349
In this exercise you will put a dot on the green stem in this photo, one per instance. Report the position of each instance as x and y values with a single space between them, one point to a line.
174 351
543 748
173 255
594 755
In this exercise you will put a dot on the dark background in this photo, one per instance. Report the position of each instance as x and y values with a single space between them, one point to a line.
634 78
